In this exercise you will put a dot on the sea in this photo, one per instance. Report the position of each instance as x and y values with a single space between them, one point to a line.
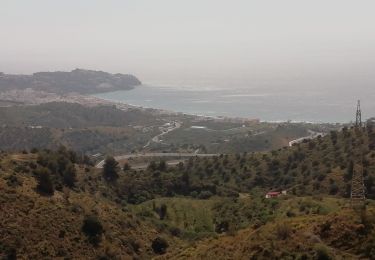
273 104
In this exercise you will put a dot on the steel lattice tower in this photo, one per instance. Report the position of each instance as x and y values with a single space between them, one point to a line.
357 196
358 190
358 115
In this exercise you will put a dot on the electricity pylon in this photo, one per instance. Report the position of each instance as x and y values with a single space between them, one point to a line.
358 115
358 189
357 195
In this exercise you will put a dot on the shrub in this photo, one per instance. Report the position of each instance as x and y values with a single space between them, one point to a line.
13 181
290 214
205 194
222 226
159 245
92 228
175 231
126 167
194 194
163 211
322 253
283 231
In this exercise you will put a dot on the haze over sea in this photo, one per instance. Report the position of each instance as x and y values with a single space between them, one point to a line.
268 101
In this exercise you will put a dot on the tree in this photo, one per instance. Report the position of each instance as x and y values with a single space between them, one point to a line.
45 184
69 175
110 169
333 137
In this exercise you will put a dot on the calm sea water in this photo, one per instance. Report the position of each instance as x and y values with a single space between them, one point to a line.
267 104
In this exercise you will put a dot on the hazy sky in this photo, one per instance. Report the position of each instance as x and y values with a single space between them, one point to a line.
164 40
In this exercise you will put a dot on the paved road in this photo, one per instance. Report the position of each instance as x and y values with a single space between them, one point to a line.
156 139
145 165
140 155
312 135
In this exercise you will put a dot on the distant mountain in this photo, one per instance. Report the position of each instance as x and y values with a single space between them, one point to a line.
78 80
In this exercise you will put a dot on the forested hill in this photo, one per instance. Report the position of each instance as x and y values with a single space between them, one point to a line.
82 128
70 115
78 80
56 205
320 166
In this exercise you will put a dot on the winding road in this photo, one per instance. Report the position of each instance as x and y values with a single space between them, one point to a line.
156 139
140 155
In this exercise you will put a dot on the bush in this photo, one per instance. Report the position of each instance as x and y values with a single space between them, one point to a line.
175 231
322 253
194 194
159 245
205 194
222 226
163 211
13 181
92 228
283 231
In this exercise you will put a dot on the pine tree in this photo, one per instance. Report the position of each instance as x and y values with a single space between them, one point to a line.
45 184
110 169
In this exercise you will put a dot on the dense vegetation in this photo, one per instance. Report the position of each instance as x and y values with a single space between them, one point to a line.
84 129
320 166
71 115
55 204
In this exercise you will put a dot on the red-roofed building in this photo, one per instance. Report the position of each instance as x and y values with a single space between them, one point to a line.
275 194
272 194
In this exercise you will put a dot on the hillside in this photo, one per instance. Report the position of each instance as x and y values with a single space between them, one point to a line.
104 129
39 223
341 235
320 166
78 80
107 129
71 115
55 204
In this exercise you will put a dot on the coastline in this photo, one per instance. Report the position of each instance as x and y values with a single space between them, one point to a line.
221 118
35 97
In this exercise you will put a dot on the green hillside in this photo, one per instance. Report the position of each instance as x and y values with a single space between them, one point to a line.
56 205
315 167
